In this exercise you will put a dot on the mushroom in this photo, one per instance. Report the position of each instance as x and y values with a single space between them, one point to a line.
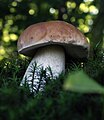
47 43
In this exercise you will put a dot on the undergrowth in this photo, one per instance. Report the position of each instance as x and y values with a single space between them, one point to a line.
53 103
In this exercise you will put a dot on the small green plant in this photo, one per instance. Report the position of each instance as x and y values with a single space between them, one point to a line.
80 82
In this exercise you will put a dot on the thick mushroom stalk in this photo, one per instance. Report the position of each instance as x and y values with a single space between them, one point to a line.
49 56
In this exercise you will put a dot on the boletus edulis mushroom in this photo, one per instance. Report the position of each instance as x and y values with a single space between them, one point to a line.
48 42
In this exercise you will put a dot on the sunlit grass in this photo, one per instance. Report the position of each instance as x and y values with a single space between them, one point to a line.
22 56
88 39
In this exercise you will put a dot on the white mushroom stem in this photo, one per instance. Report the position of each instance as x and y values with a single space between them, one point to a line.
49 56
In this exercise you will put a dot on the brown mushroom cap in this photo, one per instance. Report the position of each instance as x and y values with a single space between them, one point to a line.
53 33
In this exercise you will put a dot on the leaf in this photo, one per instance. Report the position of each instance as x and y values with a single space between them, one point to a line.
80 82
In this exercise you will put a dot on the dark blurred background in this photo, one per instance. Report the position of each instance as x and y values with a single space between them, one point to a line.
16 15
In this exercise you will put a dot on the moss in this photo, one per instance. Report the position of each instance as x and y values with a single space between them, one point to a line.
53 103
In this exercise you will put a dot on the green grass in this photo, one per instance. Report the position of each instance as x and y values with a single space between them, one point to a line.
54 103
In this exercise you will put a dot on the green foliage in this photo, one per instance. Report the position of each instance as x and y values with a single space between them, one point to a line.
95 67
12 69
53 103
81 83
